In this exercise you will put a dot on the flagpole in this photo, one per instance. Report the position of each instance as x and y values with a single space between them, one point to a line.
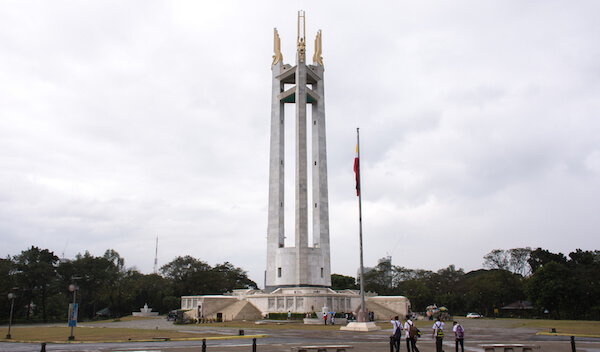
362 314
362 323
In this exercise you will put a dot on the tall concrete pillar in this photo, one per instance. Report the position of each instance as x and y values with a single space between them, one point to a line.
304 264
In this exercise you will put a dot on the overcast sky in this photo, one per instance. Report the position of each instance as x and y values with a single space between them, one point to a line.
121 121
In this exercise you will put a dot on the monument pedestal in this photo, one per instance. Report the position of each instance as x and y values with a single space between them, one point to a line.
145 312
360 326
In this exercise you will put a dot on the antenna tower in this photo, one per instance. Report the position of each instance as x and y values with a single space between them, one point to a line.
156 257
65 249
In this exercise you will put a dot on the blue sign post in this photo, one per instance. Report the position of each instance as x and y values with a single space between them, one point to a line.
73 307
73 314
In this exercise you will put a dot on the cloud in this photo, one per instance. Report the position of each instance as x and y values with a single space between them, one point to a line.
121 122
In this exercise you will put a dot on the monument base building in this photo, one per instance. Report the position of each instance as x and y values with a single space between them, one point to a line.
257 304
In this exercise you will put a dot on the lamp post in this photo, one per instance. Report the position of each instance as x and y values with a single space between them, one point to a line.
11 296
73 307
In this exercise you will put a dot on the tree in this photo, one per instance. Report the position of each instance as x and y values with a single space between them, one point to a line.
515 260
518 261
187 276
98 280
113 294
402 274
446 282
152 289
548 288
379 279
230 278
585 258
540 257
7 283
191 276
490 289
341 282
415 284
35 274
566 287
113 256
496 259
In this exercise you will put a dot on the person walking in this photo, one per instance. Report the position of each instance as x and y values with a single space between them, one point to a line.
459 336
325 318
411 335
438 332
396 332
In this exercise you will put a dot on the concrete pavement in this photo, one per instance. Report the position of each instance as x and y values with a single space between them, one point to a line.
477 332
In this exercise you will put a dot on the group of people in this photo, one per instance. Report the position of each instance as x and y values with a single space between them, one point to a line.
331 320
411 333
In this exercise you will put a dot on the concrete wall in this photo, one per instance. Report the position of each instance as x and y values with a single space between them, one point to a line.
394 303
210 304
317 267
303 300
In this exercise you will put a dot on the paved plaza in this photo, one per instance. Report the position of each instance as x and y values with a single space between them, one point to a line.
483 331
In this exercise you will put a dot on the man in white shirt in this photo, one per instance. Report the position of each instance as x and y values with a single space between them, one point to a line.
438 332
411 341
396 332
459 336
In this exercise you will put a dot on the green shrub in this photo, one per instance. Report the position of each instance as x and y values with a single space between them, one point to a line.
284 316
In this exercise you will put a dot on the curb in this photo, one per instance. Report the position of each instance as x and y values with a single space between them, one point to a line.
233 337
563 334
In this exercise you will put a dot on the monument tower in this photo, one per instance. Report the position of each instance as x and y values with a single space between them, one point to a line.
304 265
298 277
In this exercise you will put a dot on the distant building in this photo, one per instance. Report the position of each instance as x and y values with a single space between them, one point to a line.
384 263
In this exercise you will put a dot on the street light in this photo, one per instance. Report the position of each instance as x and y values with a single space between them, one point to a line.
11 296
73 307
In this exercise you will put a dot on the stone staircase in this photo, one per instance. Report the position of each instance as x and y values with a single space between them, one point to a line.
240 310
381 312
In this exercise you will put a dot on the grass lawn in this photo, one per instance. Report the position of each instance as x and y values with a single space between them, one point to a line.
570 327
61 334
85 332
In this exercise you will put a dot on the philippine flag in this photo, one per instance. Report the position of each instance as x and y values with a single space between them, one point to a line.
357 170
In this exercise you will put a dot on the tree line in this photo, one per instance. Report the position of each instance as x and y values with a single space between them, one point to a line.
40 283
558 286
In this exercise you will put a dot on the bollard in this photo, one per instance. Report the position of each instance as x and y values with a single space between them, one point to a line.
43 347
573 344
392 343
254 344
203 345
